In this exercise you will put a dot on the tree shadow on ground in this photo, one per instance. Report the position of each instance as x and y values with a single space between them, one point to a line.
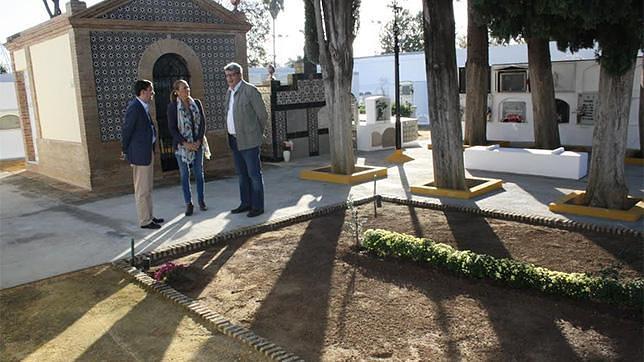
418 229
200 273
627 249
477 236
527 324
308 271
203 270
135 323
34 314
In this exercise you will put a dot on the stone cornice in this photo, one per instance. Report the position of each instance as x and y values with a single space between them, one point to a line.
110 24
49 29
88 19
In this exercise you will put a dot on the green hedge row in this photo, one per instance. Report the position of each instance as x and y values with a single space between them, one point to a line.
514 273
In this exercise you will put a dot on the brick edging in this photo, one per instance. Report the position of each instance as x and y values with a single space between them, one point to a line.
199 244
513 216
263 345
200 310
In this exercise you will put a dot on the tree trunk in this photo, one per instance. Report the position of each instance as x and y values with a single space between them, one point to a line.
442 90
477 78
606 183
641 116
311 47
544 110
335 28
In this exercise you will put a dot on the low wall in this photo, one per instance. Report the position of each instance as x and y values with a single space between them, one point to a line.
555 163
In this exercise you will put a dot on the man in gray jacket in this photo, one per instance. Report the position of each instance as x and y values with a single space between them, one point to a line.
246 118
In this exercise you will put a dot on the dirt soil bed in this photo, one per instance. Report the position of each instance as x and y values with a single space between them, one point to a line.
96 315
306 288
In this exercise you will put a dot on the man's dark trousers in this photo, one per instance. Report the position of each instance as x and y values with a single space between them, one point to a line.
248 166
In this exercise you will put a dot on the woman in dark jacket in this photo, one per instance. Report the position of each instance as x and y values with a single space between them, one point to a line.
187 125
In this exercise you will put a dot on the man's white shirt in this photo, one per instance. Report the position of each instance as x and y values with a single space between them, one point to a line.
146 106
230 120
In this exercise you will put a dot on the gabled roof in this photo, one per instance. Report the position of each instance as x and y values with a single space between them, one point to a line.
204 11
146 15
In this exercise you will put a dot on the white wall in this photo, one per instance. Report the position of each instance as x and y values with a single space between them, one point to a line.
375 75
56 98
8 100
11 144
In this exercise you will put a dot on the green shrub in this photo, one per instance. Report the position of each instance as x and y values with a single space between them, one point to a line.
405 109
511 272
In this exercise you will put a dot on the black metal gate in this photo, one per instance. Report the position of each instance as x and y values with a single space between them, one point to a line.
167 69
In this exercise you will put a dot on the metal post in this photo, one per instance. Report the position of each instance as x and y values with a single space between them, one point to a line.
397 75
274 49
375 198
398 156
132 252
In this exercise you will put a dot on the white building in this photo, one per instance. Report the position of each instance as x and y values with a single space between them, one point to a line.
11 143
576 79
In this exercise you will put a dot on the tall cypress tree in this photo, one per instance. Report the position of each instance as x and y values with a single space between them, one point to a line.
532 20
615 27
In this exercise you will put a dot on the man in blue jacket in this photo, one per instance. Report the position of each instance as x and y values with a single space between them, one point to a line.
138 138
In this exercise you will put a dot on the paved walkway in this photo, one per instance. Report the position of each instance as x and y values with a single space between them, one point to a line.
43 235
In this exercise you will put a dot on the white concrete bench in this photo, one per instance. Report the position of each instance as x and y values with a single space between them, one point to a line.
551 163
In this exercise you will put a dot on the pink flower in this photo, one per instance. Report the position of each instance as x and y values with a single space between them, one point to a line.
162 273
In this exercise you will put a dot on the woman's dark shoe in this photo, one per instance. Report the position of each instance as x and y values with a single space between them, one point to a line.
189 209
202 206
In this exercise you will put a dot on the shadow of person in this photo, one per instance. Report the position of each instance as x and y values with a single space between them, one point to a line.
494 322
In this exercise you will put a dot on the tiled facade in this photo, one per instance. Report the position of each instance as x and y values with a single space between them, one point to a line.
113 43
116 56
164 11
296 103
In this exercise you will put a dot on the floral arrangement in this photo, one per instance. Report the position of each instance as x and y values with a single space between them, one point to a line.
512 118
168 272
288 145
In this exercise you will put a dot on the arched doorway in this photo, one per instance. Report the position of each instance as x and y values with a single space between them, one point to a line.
167 69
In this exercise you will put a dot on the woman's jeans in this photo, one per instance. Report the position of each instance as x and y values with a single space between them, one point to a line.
184 170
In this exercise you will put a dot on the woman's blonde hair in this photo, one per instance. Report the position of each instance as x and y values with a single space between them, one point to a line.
175 89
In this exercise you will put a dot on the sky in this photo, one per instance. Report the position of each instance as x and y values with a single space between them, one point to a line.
288 26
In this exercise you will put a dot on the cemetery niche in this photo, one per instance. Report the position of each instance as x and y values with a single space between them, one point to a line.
377 130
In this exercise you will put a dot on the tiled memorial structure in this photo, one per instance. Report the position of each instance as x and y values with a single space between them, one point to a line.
294 115
74 77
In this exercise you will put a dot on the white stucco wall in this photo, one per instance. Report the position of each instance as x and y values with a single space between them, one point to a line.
8 100
55 89
20 60
577 73
11 144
